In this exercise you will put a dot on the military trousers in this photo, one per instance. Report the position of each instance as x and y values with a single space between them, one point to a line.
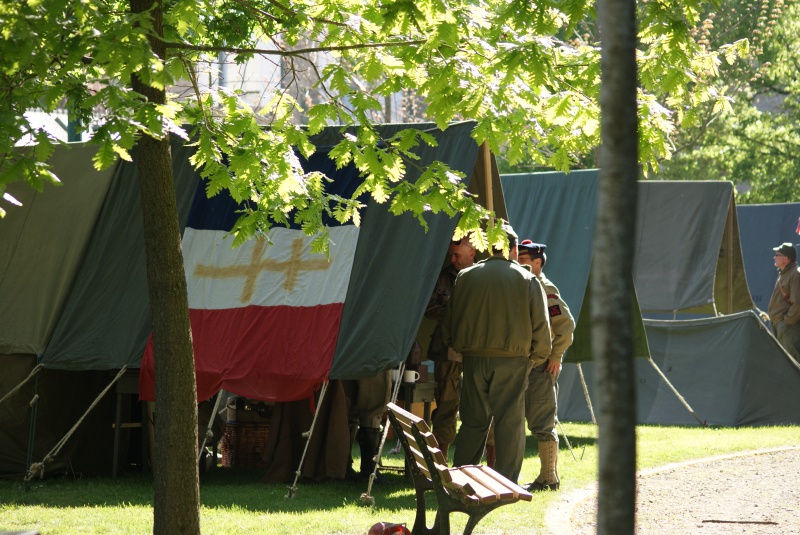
493 387
789 337
541 404
447 375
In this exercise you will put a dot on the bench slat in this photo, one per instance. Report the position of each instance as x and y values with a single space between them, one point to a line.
461 479
503 491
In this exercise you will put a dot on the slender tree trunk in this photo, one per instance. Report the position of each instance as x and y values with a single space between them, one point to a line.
612 282
176 500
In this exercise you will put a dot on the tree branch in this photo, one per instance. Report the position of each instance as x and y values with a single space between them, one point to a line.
286 53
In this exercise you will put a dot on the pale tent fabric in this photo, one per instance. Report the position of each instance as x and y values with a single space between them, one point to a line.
42 245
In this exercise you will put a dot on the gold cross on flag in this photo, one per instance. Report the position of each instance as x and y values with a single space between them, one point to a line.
251 271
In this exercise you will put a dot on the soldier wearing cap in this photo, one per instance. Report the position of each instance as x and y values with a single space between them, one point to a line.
784 305
541 395
447 365
497 319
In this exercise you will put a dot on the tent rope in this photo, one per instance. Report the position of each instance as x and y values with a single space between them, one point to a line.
586 393
366 497
209 433
677 394
307 435
36 369
37 469
569 446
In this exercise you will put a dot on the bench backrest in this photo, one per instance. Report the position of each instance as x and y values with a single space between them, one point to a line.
472 483
419 443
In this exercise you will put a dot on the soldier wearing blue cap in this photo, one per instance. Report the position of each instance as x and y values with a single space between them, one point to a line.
541 395
784 305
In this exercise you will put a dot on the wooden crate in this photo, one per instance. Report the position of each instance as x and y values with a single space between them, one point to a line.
243 444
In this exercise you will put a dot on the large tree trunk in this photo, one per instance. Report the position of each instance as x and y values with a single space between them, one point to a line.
176 500
612 281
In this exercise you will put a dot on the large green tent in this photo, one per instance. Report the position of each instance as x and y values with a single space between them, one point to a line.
73 294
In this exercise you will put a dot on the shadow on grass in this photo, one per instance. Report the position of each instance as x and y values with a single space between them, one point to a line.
233 488
226 488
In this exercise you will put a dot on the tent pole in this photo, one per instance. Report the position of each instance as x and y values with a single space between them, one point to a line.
487 171
586 393
34 404
210 433
675 391
307 436
729 258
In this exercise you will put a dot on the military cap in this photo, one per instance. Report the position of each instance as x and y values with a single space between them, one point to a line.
787 250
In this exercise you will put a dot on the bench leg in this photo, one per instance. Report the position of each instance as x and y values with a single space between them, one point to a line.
420 525
474 518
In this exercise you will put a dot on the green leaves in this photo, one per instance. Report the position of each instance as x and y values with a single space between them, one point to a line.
527 73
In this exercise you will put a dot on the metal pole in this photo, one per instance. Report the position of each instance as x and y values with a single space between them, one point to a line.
32 428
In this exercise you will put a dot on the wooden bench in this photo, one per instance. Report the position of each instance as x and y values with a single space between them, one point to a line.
473 490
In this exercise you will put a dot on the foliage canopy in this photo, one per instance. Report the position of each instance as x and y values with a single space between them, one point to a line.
527 72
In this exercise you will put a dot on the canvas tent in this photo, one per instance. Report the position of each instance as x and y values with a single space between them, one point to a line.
688 258
687 261
560 210
730 369
74 296
762 227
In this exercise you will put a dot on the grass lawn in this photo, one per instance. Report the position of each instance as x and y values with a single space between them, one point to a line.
234 501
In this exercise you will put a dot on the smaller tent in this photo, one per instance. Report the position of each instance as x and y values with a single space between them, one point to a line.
762 227
687 255
560 210
730 369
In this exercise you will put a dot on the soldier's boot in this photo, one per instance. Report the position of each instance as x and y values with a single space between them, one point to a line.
369 440
491 455
548 475
350 474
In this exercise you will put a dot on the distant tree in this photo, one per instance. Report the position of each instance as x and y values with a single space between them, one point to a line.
521 69
753 140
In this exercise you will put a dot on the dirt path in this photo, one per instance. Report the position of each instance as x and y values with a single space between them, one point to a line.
757 493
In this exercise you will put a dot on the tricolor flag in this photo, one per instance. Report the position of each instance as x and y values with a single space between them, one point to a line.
265 315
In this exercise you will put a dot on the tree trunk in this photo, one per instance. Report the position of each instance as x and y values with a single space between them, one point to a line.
176 499
612 281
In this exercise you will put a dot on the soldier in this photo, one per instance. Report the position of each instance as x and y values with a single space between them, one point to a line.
496 318
367 399
447 365
784 304
542 393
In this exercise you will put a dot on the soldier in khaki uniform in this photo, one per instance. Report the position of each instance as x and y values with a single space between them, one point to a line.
542 393
447 365
784 305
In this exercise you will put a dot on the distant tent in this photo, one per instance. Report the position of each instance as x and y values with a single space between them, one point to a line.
75 297
687 261
730 369
687 256
762 227
559 210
